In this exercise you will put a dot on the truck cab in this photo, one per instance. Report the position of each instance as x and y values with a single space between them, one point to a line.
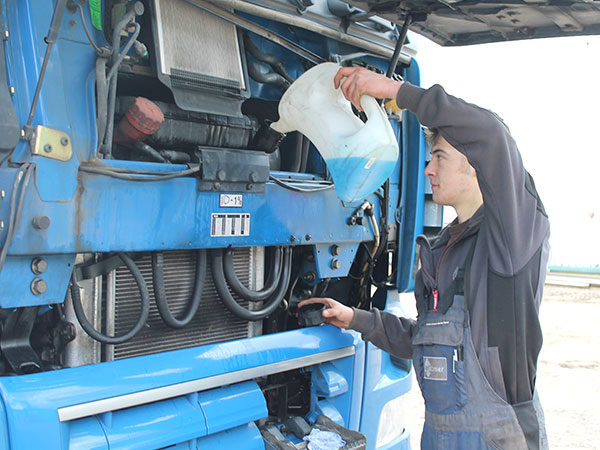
157 234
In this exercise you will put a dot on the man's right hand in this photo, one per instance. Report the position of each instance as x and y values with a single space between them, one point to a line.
358 81
335 313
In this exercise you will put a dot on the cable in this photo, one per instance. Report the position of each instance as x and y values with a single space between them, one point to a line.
232 305
297 189
87 326
134 9
85 28
137 175
242 291
160 294
123 54
16 207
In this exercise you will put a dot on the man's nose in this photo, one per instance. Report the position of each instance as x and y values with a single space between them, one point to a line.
429 169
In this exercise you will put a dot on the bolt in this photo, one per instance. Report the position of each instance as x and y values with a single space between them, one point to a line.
221 175
67 331
335 264
308 237
38 286
335 250
12 90
352 221
217 185
292 238
253 177
309 277
41 222
47 148
39 266
64 141
249 186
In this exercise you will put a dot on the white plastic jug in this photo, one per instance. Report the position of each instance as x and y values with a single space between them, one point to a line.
360 156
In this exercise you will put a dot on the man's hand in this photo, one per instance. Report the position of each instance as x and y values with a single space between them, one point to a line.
358 81
335 313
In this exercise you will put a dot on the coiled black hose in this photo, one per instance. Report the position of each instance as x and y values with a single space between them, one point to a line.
236 285
87 326
160 295
232 305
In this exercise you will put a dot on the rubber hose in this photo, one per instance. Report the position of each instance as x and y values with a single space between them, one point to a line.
232 305
269 77
247 294
271 60
87 326
160 295
149 151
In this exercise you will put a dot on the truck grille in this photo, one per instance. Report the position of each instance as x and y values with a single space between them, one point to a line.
212 323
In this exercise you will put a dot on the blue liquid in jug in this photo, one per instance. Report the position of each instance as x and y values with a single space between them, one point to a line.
353 181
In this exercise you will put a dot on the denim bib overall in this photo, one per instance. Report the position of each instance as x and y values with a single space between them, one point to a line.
462 410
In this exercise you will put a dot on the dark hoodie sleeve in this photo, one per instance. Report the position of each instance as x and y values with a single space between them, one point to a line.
516 218
388 332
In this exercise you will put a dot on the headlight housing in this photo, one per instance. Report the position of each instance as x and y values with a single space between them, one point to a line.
391 422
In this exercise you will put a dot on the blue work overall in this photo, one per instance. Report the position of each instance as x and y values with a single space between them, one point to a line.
462 411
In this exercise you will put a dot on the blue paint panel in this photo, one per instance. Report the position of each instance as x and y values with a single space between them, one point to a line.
3 426
324 259
246 437
87 434
383 382
182 419
335 399
413 190
230 406
16 278
73 386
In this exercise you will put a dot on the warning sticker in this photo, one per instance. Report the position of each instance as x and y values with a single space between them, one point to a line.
229 225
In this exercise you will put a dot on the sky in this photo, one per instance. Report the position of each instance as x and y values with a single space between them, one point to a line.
548 93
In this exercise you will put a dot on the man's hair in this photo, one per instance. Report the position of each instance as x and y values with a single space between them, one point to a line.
431 135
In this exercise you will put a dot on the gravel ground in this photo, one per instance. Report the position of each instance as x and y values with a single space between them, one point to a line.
568 380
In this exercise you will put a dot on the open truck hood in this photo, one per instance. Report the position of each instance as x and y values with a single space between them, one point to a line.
466 22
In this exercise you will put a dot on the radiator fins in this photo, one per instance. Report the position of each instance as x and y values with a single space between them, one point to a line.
212 323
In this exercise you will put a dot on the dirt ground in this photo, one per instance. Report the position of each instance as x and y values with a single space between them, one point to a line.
568 370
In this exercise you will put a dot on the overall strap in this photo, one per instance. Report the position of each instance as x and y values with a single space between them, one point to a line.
462 278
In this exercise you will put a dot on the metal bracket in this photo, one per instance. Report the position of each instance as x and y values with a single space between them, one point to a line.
15 343
53 144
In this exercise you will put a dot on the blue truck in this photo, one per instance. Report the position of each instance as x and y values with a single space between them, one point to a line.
157 236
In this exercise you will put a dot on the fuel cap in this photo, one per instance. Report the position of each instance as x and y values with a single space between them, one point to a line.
311 315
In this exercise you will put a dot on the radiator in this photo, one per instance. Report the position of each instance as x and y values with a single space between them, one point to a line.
212 323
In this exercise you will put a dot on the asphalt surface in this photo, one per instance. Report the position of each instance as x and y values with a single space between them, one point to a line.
568 380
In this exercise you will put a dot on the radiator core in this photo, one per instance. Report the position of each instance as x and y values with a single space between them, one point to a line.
212 323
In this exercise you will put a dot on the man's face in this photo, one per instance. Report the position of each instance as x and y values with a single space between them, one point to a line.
453 179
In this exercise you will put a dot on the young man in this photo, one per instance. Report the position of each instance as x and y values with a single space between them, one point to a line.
477 337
